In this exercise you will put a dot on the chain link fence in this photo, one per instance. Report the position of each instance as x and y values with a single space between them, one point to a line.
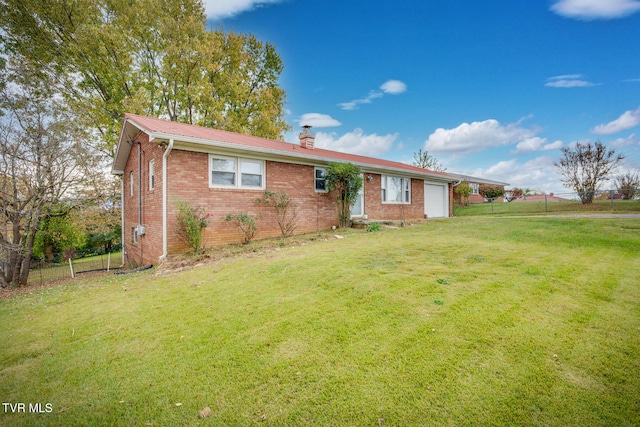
70 264
604 202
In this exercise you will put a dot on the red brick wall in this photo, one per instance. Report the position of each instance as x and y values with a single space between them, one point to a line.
149 246
189 181
375 209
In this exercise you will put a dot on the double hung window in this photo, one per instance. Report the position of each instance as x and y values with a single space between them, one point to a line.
320 175
230 172
396 189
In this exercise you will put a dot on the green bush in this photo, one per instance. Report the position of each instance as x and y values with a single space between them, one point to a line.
191 223
374 226
246 223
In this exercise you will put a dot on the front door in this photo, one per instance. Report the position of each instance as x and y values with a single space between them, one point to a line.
357 209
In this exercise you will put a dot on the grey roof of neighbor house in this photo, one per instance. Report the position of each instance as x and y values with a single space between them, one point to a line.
478 180
160 130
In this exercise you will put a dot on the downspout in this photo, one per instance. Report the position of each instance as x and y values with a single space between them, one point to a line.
165 157
139 183
122 198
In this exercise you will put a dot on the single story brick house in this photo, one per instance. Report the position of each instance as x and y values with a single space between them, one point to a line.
476 184
162 162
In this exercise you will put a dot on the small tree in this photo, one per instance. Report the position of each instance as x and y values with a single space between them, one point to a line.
423 159
346 180
191 223
463 190
627 185
586 166
490 192
246 223
285 209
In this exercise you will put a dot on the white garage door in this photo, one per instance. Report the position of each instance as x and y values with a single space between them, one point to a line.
436 200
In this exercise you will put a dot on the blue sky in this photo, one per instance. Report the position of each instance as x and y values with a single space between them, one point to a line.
491 88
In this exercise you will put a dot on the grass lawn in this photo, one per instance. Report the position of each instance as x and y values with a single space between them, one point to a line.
466 321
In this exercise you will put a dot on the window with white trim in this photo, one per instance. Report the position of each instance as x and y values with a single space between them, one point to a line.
396 189
320 178
152 175
233 172
131 184
475 188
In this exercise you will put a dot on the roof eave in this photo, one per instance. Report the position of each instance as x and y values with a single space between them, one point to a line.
299 155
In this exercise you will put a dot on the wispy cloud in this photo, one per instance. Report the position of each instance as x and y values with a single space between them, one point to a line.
568 80
352 105
390 87
537 144
477 136
356 142
219 9
318 120
625 142
595 9
628 119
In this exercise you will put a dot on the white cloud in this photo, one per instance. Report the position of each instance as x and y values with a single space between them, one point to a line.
568 80
393 87
595 9
318 120
502 168
538 174
219 9
356 142
628 119
626 142
537 144
477 136
352 105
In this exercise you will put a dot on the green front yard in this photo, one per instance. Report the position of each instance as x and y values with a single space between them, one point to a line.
466 321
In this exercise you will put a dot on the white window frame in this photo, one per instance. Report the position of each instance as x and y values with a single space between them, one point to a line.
316 179
475 188
406 190
131 184
152 174
238 162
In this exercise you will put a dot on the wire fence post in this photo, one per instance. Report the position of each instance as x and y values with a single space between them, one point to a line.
611 195
71 268
546 203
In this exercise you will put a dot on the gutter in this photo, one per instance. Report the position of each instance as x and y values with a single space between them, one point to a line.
165 158
301 156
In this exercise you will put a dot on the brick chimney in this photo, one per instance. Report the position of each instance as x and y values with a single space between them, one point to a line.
306 137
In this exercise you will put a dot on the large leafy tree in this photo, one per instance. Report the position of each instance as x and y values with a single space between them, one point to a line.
153 57
585 166
44 165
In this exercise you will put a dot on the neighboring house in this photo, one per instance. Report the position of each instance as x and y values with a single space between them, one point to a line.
161 162
476 184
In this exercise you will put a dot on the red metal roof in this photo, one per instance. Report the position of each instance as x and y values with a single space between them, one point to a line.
159 126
